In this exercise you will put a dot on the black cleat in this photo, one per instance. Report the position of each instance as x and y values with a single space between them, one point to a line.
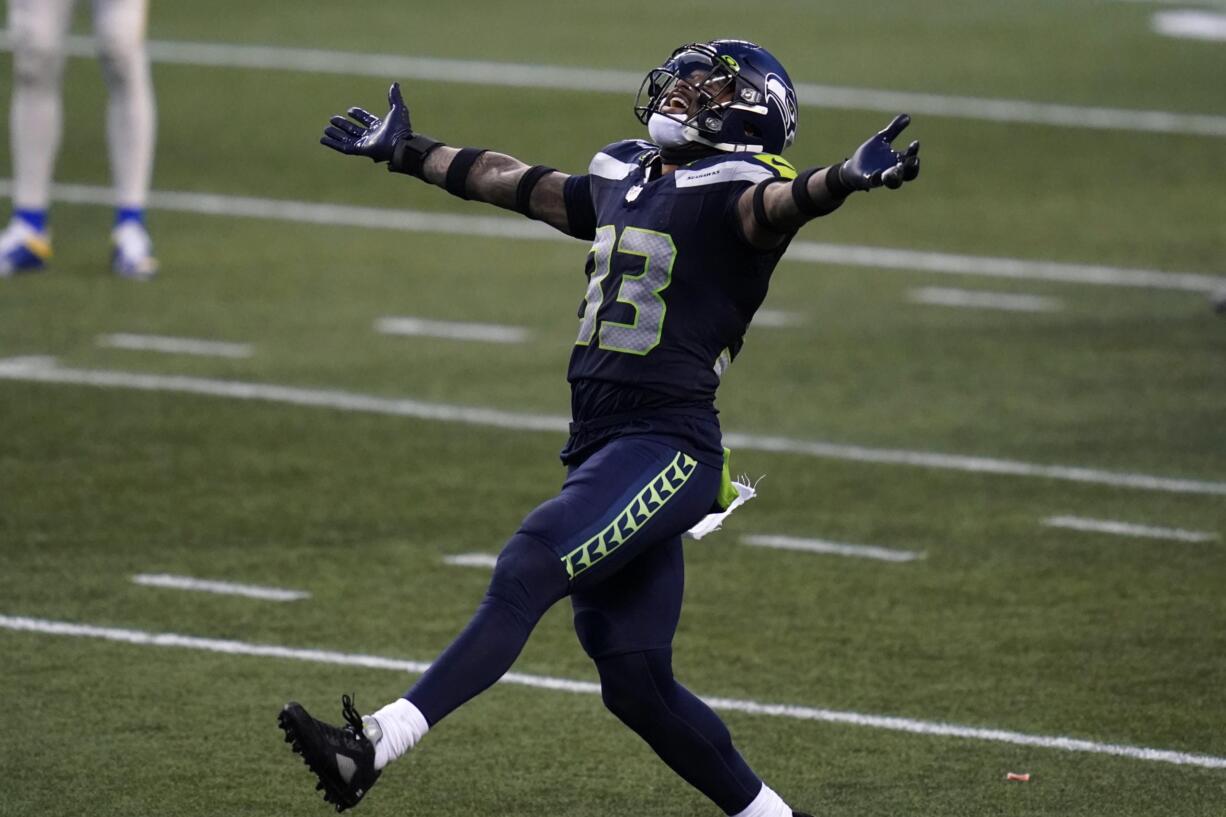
343 758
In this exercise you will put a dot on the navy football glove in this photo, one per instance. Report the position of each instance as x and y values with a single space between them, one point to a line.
372 136
876 163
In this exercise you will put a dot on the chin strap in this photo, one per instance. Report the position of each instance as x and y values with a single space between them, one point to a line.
652 163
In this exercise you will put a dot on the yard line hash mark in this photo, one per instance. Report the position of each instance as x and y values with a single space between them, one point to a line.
451 330
777 318
251 591
472 560
44 370
417 221
578 78
1176 2
969 299
1191 24
175 346
832 548
804 713
1127 529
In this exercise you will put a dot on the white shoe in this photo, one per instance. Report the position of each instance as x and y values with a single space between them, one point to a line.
23 249
132 253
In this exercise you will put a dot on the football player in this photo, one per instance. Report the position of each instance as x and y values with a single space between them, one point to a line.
38 30
686 230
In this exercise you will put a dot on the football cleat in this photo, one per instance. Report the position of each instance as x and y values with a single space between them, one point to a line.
132 252
23 249
343 758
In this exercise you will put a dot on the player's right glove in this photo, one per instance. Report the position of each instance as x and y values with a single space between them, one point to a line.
371 137
876 163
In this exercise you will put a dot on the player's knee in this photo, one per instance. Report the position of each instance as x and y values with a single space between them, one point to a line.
628 703
37 62
122 55
528 577
629 690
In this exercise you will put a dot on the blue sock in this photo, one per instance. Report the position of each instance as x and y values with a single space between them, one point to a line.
35 218
125 214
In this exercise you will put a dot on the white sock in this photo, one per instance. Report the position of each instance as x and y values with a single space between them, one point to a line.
397 728
766 804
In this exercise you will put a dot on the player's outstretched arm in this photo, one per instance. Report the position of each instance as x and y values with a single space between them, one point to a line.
771 210
501 180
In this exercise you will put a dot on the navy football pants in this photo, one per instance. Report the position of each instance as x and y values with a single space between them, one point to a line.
611 540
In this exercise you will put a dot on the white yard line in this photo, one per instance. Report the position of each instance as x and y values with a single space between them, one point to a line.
970 464
486 560
251 591
1191 24
575 78
970 299
451 330
803 713
300 212
831 548
776 319
44 370
180 346
1127 529
993 267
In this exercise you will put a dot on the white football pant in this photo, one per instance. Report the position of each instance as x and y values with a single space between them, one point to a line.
38 30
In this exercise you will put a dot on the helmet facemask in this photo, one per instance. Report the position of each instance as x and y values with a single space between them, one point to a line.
694 87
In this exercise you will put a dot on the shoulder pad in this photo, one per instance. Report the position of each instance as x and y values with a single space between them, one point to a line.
616 161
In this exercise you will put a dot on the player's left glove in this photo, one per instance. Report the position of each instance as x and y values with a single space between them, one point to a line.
876 163
372 137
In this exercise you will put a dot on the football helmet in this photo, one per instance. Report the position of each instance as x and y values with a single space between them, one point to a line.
738 96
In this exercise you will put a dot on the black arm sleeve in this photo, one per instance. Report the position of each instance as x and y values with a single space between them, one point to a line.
580 212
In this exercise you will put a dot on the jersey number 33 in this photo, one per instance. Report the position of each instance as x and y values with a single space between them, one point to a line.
641 291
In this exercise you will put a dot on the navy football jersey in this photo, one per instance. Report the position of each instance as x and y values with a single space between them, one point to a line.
672 287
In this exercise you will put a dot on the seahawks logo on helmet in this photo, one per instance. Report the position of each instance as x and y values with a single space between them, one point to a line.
782 95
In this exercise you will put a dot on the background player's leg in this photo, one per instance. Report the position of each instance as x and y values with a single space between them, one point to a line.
130 125
627 624
37 29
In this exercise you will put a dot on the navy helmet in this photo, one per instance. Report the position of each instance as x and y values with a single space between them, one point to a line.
745 101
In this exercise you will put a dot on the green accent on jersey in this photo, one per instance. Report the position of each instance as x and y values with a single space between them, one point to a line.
727 491
645 504
781 165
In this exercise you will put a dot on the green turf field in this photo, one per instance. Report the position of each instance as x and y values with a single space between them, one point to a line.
1110 406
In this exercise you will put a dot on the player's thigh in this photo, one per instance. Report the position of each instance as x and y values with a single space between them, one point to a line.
120 25
626 498
635 610
38 28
